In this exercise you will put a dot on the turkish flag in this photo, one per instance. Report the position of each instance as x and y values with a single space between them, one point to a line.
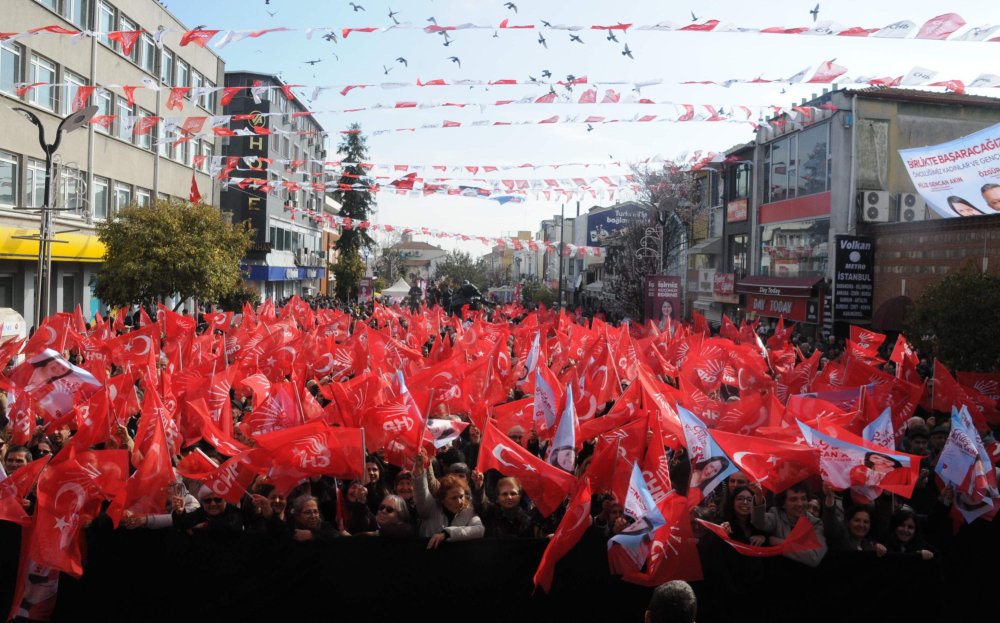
68 498
775 465
195 195
317 449
15 488
139 348
802 538
545 484
51 333
571 529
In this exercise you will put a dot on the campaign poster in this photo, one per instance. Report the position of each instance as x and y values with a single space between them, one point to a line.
960 177
662 296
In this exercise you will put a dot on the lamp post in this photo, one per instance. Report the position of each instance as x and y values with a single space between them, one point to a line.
73 121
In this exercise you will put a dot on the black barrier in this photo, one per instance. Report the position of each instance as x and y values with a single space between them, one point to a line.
154 575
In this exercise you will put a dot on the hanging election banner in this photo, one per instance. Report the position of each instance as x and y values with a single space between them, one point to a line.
960 177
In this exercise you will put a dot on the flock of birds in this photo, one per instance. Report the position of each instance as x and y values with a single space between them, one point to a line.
447 39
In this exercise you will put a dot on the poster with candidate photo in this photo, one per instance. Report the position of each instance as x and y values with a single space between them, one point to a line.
958 178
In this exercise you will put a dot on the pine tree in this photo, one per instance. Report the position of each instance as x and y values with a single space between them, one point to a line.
356 204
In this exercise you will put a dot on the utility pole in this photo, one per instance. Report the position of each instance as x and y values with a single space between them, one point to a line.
562 244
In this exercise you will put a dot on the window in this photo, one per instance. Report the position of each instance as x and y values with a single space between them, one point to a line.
197 81
7 290
738 249
739 180
73 83
163 142
147 53
52 5
123 196
167 67
71 187
798 165
183 70
125 119
8 179
10 66
144 140
207 150
795 249
101 197
210 96
143 197
44 71
105 20
129 26
35 185
104 107
76 12
182 152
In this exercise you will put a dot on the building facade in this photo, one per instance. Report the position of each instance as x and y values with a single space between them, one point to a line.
275 176
825 181
108 165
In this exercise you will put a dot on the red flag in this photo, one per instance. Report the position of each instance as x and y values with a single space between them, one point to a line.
317 449
220 439
195 195
146 491
278 411
940 27
673 554
802 538
397 426
126 38
571 529
68 498
775 465
906 360
15 488
139 348
232 480
175 101
864 344
199 37
546 484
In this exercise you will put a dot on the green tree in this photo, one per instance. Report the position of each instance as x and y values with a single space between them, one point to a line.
534 292
356 204
170 248
954 320
459 267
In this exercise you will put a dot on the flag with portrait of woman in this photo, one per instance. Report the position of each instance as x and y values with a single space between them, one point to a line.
846 460
709 464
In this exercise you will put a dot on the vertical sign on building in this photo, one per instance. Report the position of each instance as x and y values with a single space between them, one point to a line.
663 299
365 290
853 278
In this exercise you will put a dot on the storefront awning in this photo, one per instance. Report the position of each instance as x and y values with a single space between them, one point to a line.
75 247
801 287
708 246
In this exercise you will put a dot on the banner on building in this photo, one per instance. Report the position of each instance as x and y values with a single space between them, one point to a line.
611 222
663 300
960 177
853 278
724 288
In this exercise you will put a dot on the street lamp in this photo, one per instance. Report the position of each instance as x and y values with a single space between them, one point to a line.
73 121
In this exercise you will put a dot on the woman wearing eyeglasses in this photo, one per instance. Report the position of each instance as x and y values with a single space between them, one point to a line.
736 517
215 515
308 524
393 517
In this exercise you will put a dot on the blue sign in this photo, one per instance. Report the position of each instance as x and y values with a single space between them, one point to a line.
611 222
256 272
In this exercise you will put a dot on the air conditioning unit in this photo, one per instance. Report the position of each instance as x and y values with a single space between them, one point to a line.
874 206
911 208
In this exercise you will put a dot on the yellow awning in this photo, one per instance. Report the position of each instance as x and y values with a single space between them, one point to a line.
76 248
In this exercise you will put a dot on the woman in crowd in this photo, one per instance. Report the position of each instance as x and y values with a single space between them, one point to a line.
393 517
308 523
404 489
215 515
736 517
447 515
355 517
375 483
853 534
506 517
904 537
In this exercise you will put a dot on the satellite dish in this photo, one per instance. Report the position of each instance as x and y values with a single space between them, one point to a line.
78 119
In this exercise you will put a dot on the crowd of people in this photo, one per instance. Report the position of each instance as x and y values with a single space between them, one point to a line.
437 493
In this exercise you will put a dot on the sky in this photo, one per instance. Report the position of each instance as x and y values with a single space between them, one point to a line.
668 57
